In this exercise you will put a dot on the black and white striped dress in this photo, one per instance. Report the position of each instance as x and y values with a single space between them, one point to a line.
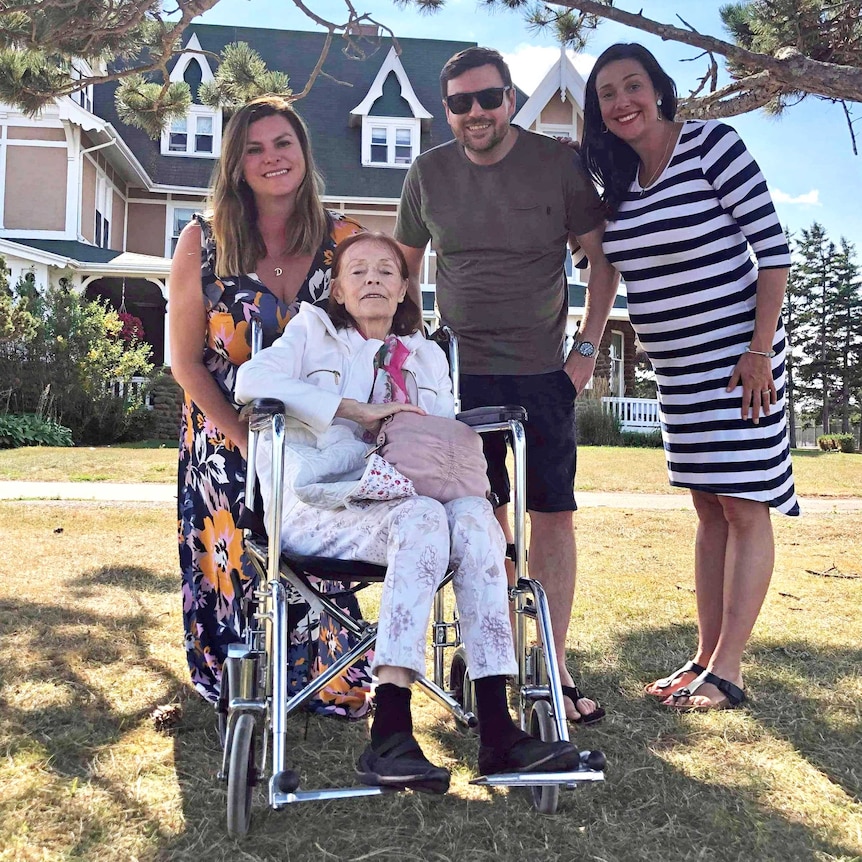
684 247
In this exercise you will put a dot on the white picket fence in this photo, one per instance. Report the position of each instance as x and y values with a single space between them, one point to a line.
634 414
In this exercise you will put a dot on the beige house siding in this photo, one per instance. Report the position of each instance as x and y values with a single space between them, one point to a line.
383 223
146 232
118 222
556 112
88 202
35 205
34 133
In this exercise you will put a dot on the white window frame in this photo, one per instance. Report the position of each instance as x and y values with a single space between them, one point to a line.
390 124
557 130
103 214
171 236
618 364
190 151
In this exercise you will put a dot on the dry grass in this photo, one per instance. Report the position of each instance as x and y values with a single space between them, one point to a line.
607 468
126 463
600 468
91 643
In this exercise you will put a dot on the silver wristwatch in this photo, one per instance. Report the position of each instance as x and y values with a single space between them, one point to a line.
585 348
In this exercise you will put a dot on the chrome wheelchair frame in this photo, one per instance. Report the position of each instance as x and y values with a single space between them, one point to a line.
255 702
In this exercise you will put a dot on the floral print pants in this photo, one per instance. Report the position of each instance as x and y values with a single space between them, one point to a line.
418 539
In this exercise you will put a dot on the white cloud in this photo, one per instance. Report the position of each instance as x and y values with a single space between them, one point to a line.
811 198
530 63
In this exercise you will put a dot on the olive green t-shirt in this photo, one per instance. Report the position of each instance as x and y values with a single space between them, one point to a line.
500 234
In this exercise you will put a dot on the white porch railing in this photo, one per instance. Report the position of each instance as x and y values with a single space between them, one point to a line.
634 414
130 389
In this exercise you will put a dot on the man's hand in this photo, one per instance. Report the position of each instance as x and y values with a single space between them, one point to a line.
580 369
369 416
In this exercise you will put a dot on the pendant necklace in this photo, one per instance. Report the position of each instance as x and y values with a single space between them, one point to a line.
661 164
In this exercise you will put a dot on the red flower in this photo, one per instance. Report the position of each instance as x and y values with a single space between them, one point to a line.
133 329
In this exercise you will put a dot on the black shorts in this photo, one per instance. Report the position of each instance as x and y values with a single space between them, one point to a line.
552 453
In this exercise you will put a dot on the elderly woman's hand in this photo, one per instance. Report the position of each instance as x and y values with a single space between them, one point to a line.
369 416
754 373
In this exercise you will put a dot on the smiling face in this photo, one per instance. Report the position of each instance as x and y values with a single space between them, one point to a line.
370 286
273 164
481 132
627 100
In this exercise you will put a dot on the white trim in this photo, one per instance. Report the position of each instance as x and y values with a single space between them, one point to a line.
392 63
36 234
562 76
390 124
172 207
192 53
26 142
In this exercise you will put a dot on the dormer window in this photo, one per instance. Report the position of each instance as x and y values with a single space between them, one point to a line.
389 142
392 118
198 134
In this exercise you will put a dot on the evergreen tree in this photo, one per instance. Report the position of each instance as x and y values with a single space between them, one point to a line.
781 49
826 291
792 313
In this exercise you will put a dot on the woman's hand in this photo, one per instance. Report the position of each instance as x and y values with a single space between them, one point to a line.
754 373
369 416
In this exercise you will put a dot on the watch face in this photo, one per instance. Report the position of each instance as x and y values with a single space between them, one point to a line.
586 348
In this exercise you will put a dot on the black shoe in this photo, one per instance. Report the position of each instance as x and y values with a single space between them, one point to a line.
399 762
529 755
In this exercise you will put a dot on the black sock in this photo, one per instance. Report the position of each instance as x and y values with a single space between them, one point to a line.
391 712
496 728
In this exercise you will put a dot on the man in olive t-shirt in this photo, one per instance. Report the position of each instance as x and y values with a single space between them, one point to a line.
499 205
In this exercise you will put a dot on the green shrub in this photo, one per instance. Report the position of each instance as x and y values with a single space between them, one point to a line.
596 427
837 443
641 439
27 429
58 349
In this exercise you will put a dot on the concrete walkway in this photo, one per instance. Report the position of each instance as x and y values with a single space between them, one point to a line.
152 492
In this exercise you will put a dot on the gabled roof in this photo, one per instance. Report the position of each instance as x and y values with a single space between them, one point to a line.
326 109
392 64
562 76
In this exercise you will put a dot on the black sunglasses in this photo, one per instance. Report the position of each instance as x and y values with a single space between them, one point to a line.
492 97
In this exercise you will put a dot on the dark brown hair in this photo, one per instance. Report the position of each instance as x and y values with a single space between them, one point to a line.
234 211
408 317
473 58
610 161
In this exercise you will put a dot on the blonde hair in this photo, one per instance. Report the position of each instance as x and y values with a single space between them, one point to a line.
232 208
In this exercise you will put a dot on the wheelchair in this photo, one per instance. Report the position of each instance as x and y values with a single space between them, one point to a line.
255 701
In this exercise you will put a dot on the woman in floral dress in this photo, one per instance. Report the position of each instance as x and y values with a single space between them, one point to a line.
266 247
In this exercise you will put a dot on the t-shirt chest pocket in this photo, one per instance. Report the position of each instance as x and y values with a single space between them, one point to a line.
528 226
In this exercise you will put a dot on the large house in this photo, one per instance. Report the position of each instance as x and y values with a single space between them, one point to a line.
89 199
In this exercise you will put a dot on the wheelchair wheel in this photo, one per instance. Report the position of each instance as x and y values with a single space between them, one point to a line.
229 673
242 776
460 682
543 727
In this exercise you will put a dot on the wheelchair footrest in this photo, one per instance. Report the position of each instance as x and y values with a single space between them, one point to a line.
278 799
539 779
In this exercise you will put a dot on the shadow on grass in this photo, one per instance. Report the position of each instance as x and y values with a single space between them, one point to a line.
138 578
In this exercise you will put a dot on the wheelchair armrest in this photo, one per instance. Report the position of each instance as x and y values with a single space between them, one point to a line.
491 415
258 411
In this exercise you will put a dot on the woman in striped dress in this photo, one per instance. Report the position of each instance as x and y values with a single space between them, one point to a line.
687 206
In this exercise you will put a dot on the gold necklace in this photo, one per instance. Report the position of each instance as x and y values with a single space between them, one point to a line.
661 164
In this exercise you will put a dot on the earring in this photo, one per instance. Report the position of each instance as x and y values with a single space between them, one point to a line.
604 129
659 102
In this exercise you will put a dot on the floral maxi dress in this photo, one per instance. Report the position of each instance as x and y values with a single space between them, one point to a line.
216 575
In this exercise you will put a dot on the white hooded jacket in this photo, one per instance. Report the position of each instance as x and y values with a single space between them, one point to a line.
310 368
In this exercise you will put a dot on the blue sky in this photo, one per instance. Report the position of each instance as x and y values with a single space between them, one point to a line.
805 154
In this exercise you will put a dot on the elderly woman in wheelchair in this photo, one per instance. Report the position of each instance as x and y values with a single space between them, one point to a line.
340 375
